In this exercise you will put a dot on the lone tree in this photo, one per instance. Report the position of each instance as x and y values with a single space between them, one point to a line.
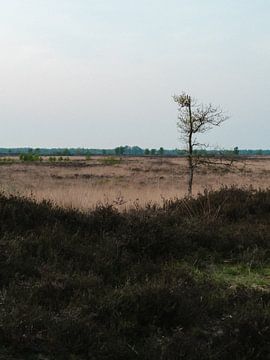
193 119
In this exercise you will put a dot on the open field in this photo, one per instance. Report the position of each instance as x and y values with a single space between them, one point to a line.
81 184
179 279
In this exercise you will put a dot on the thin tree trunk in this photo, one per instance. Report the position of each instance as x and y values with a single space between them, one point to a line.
190 152
190 178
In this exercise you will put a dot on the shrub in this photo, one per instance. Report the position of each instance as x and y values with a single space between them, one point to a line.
110 161
136 284
30 157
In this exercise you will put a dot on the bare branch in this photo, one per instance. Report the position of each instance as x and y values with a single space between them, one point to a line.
195 118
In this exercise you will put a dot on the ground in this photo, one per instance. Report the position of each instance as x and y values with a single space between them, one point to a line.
186 278
185 281
81 183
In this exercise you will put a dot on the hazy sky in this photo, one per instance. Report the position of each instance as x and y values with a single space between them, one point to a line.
101 73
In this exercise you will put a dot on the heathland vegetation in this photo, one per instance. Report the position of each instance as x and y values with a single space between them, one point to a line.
81 182
122 279
188 279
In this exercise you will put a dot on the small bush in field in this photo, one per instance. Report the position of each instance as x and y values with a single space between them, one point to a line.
52 159
110 161
7 160
29 157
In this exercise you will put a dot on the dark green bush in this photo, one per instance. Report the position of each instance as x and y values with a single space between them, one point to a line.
132 285
29 157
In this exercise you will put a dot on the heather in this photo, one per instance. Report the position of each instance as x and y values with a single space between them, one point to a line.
186 279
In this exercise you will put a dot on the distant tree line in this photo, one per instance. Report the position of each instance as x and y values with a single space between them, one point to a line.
123 151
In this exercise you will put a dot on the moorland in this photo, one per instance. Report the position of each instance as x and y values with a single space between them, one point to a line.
83 278
82 182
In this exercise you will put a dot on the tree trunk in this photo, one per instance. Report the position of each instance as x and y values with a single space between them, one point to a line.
190 177
190 151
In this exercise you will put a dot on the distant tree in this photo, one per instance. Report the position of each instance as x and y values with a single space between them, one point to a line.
236 151
194 119
146 152
66 152
179 152
153 152
78 151
136 150
120 150
161 151
104 152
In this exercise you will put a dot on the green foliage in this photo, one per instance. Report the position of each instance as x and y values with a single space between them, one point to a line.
161 151
119 150
66 152
30 156
128 150
110 161
7 160
186 280
52 159
146 152
242 274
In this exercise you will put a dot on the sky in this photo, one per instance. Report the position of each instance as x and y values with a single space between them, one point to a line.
100 73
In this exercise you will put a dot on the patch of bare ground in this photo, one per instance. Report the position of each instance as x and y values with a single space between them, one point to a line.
82 184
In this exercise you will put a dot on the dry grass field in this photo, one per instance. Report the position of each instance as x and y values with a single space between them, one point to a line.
81 183
188 280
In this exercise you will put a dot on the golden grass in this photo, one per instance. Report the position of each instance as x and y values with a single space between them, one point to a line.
82 184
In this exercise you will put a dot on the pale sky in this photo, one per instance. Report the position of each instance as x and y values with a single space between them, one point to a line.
98 74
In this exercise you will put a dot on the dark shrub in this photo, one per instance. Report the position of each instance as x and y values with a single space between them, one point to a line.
134 285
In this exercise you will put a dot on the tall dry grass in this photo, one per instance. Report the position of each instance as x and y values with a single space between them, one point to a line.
83 184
